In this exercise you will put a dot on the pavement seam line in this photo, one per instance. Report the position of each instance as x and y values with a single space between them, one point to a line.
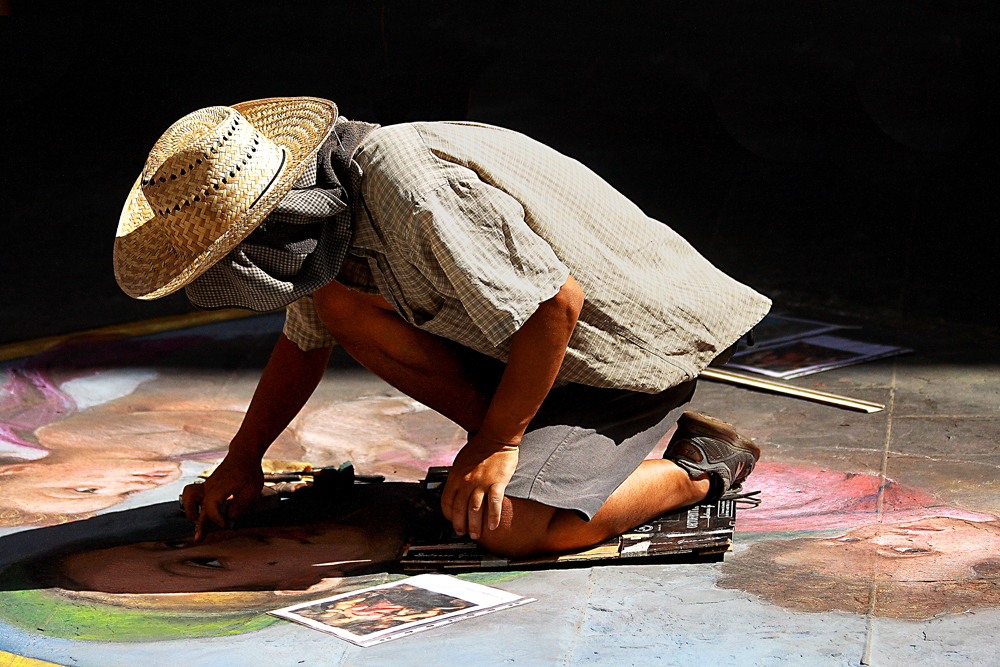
963 417
866 656
583 615
941 459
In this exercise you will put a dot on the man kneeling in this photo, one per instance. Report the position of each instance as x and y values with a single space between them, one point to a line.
485 275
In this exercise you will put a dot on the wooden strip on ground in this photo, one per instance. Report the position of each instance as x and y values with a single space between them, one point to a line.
127 330
836 400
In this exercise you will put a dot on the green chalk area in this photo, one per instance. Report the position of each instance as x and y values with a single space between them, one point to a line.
51 614
56 613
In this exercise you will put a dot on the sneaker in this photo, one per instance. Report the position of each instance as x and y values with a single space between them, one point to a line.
703 445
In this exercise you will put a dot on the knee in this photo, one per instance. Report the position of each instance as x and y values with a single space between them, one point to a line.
343 311
523 530
508 545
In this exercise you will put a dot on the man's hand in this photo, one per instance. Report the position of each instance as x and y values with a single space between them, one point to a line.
473 494
240 480
289 378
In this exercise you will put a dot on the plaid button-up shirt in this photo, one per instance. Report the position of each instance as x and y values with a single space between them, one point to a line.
467 228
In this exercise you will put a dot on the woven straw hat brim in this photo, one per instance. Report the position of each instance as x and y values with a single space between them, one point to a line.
147 265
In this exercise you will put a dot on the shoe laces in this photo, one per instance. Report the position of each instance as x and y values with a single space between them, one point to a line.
744 498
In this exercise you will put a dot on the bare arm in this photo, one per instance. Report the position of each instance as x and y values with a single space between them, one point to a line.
287 382
485 465
536 354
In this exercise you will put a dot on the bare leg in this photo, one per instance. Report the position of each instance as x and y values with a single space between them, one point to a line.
459 384
441 374
656 486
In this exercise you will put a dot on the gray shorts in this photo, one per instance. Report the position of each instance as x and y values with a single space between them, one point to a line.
584 442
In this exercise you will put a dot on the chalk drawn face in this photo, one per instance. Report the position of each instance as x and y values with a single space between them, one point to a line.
100 457
80 484
292 558
921 569
928 550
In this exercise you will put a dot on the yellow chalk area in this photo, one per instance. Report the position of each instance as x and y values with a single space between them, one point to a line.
11 660
157 325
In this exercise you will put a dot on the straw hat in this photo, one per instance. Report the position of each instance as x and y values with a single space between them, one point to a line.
210 179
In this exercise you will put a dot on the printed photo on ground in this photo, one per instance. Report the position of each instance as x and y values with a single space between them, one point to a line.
810 355
380 613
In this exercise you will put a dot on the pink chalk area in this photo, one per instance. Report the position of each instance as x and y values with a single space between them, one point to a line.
797 497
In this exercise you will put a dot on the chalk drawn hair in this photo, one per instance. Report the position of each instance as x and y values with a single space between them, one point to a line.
11 517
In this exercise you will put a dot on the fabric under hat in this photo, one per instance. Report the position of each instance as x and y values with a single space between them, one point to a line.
209 181
301 244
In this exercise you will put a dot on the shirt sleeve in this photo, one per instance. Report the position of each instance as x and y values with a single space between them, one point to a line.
356 275
471 240
303 326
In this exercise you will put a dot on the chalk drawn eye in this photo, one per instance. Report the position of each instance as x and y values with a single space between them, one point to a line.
86 490
909 550
207 562
849 539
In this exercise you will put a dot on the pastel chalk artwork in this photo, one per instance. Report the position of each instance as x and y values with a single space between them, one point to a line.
61 461
87 559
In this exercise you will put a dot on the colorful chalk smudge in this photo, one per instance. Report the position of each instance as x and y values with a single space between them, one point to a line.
146 419
845 537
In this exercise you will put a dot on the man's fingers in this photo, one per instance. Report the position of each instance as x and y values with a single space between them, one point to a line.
448 495
476 513
211 511
494 506
447 498
242 500
459 512
199 528
192 497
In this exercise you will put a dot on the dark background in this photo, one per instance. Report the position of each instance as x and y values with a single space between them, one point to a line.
836 155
